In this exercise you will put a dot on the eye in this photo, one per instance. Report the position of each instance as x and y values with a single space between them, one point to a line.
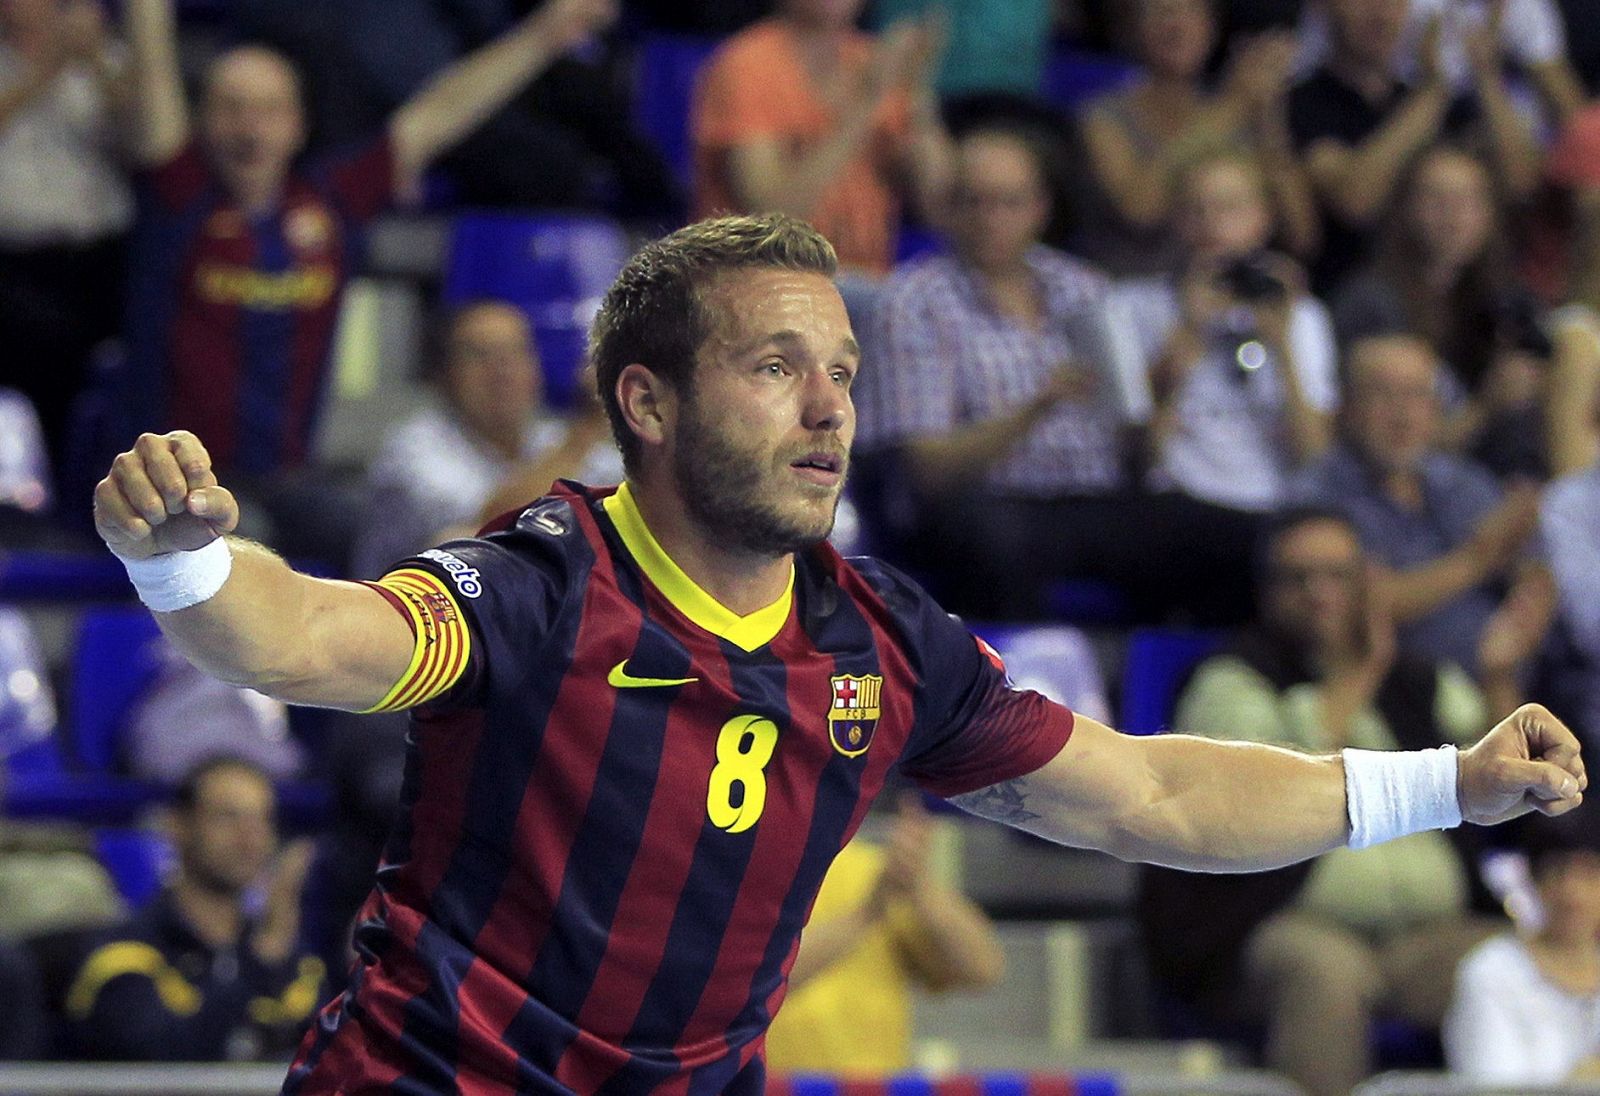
843 377
773 367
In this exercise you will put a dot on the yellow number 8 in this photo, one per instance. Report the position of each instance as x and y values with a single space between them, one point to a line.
744 747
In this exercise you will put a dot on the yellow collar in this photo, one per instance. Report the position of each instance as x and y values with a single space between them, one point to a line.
746 632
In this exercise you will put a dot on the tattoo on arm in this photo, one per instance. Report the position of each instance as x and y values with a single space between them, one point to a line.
1003 802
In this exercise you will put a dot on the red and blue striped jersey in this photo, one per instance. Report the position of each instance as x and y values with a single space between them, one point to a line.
231 316
617 816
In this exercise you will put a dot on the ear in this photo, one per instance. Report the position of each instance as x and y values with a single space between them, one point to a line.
648 403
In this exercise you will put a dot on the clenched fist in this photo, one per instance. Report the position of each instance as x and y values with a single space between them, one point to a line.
1530 761
162 496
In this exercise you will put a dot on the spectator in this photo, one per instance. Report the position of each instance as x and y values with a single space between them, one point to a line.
194 976
1358 122
1570 522
1527 1006
488 446
65 205
1442 271
1002 381
1240 357
568 141
1453 545
802 113
241 255
883 925
1529 35
1138 137
24 467
1316 950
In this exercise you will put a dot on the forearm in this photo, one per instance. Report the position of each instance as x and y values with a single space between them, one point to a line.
824 943
948 941
968 452
794 183
265 628
1299 222
159 114
1511 142
1310 431
464 96
1207 805
1420 590
930 160
1360 189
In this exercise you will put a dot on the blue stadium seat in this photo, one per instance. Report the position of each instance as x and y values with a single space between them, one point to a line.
669 65
1158 661
136 859
116 658
1072 77
553 266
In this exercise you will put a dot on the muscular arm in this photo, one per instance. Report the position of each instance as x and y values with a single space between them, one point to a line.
1176 800
1205 805
158 114
300 639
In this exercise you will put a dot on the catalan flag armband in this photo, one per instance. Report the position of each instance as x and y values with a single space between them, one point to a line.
443 641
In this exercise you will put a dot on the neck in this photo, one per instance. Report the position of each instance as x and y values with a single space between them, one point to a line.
213 915
1402 485
742 582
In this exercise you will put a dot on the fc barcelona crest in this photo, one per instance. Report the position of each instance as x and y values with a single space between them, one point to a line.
853 713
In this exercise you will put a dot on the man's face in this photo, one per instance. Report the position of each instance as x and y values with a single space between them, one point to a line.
1451 207
226 841
1368 31
761 445
493 370
1000 201
1313 584
252 117
1174 37
1392 408
1222 213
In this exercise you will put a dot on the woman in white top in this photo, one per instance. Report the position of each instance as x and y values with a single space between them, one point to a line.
1527 1007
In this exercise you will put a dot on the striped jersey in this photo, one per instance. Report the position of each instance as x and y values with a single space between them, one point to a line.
231 316
621 799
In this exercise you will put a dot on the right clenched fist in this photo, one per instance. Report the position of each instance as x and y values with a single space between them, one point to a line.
161 496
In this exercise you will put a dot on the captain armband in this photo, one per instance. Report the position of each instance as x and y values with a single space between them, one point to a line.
443 641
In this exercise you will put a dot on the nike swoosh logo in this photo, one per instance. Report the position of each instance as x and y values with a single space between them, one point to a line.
619 678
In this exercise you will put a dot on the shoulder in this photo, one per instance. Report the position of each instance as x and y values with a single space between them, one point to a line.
1073 279
920 277
1460 479
548 537
762 42
1494 960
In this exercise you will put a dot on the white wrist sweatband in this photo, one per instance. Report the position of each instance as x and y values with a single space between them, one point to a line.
1391 793
177 580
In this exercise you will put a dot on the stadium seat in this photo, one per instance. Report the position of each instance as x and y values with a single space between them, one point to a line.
1052 659
1159 659
553 266
116 658
668 66
136 859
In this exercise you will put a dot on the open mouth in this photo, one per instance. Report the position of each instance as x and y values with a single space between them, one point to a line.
820 467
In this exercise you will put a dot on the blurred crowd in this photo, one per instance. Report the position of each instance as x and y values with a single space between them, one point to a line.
1275 318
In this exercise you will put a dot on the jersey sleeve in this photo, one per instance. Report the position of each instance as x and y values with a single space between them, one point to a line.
478 608
972 727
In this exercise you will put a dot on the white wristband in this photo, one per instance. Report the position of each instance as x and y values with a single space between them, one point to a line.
177 580
1391 793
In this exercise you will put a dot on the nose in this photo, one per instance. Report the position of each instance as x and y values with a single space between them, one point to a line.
827 404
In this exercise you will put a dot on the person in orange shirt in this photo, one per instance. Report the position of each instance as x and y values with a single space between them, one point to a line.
803 114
